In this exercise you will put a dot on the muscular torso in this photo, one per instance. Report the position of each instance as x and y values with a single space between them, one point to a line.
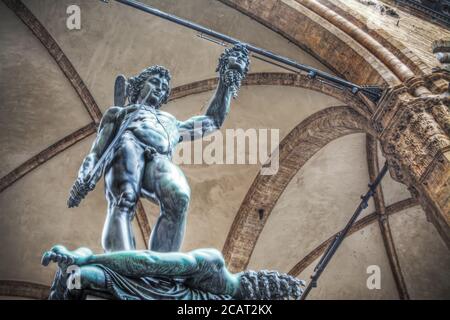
163 135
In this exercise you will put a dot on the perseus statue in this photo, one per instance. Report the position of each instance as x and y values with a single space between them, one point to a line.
147 275
139 162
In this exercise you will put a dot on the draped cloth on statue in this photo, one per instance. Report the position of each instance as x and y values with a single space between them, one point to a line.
153 288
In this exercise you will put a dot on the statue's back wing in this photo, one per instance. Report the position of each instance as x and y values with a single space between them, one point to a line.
120 91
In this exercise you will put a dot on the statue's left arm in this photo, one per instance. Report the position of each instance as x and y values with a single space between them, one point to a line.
219 107
233 66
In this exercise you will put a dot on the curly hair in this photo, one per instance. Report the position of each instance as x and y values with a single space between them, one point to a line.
270 285
223 59
135 84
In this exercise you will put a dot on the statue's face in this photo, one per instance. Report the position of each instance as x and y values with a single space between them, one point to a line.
158 87
237 60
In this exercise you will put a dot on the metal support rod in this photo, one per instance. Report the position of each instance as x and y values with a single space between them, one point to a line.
224 44
332 248
371 92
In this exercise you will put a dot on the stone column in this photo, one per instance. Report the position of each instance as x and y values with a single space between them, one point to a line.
414 132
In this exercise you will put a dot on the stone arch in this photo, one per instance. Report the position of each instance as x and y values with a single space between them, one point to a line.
295 150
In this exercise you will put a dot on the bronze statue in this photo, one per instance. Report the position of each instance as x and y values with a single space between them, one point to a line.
134 146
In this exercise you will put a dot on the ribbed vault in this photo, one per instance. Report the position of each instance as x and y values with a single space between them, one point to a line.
352 50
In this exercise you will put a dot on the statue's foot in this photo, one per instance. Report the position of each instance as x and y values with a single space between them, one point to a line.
63 257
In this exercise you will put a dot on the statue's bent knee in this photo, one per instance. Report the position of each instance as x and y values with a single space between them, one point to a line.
127 200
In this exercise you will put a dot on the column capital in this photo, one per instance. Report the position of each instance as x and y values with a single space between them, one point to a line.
414 132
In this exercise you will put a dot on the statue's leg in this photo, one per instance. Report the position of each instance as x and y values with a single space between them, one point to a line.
86 277
122 183
170 186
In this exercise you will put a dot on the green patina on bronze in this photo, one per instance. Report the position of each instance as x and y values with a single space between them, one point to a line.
148 275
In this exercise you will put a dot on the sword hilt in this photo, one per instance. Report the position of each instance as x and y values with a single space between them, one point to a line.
78 192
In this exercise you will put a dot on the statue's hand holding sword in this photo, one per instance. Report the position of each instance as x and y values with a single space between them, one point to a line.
79 190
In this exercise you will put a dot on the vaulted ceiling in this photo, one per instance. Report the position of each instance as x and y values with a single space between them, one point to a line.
55 83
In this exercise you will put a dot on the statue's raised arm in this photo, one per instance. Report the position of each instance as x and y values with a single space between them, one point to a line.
233 67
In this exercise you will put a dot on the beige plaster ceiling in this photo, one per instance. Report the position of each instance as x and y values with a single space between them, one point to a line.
40 107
